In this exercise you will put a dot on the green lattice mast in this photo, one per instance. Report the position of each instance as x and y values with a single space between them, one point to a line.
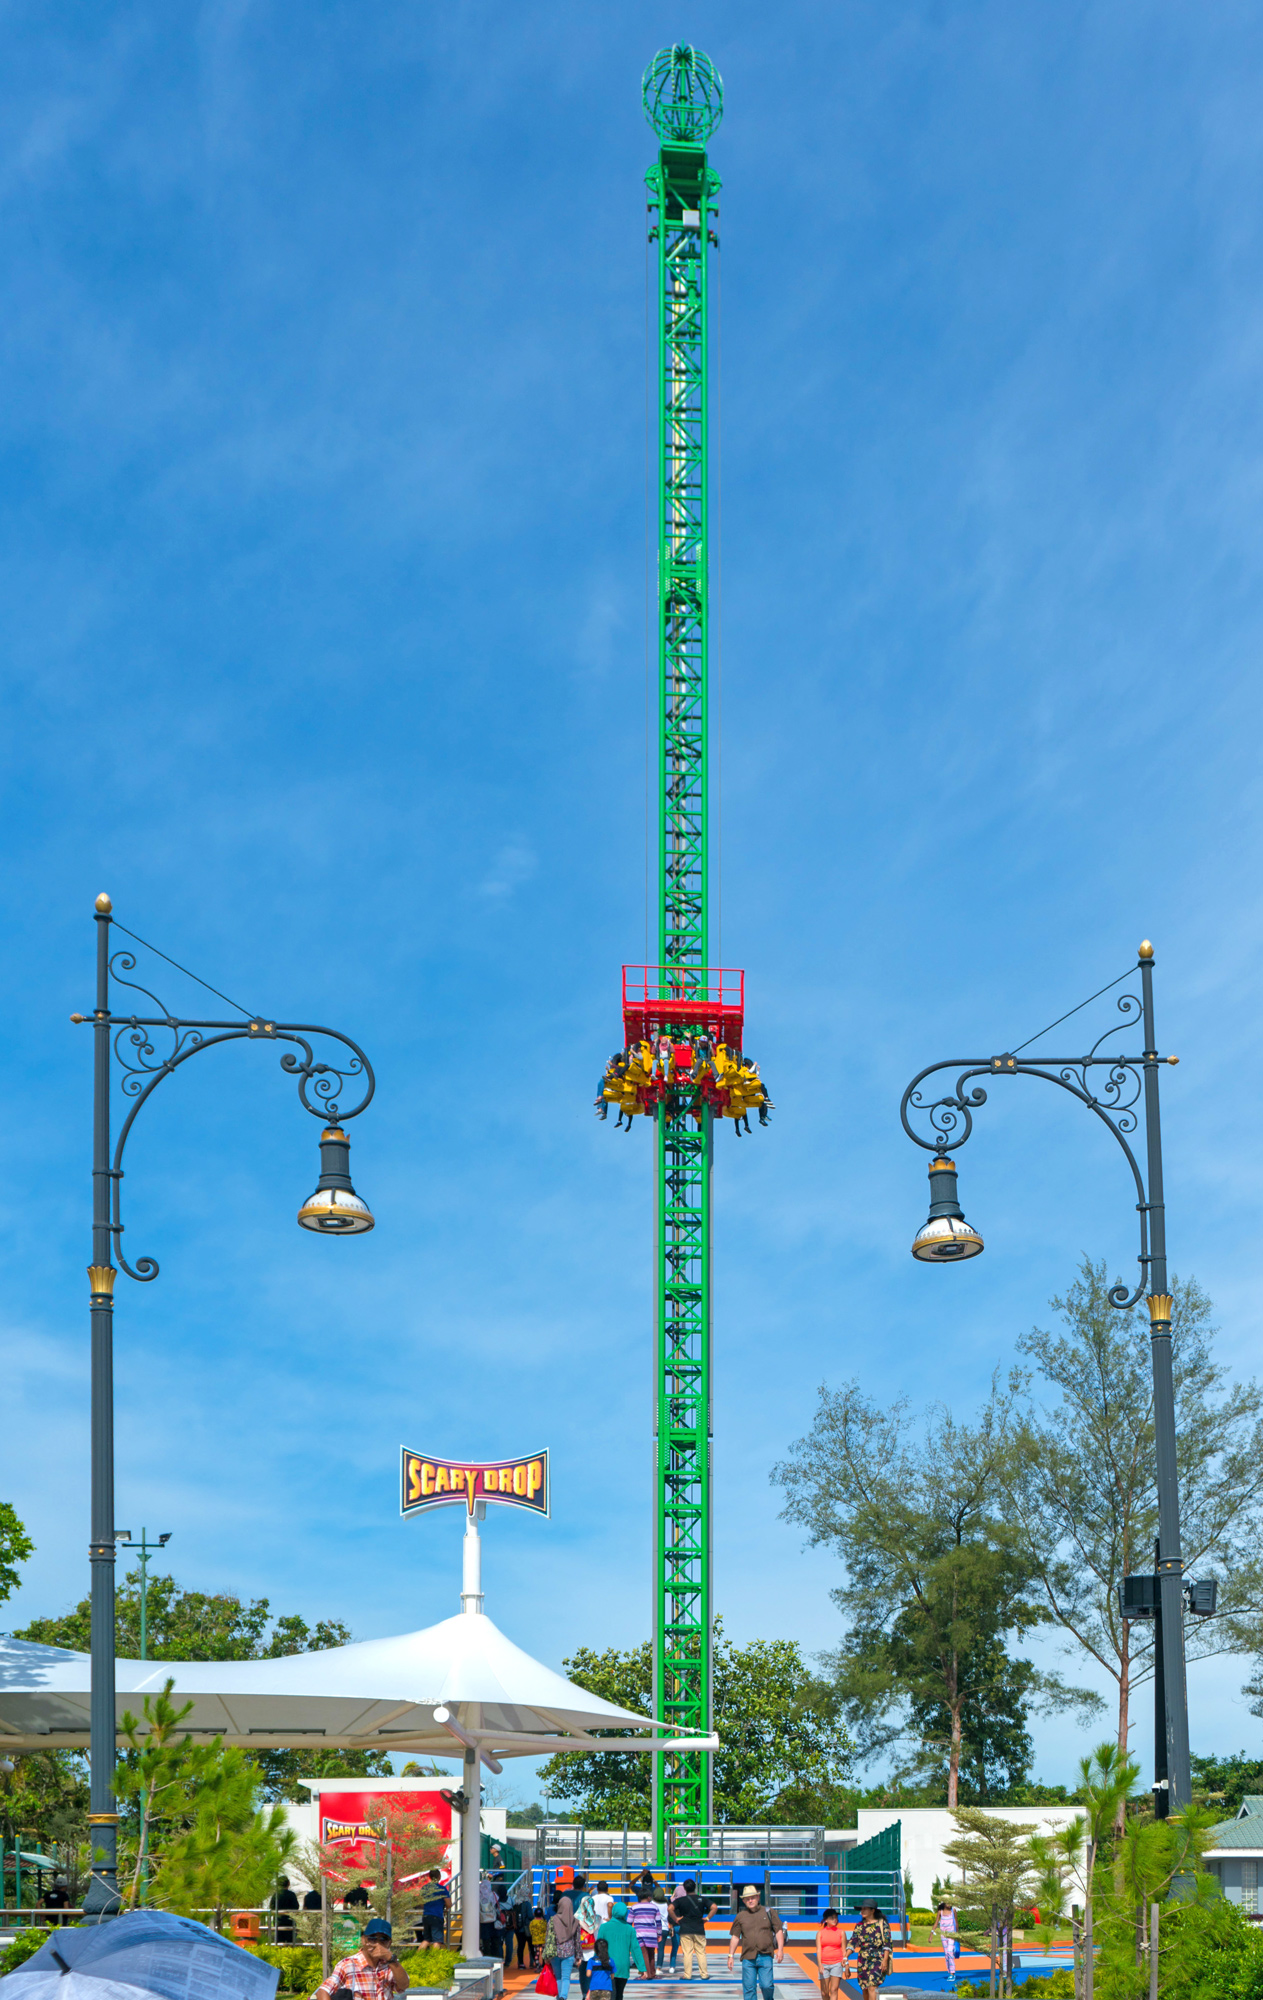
684 102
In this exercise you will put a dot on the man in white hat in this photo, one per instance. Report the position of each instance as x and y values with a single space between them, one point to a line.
761 1936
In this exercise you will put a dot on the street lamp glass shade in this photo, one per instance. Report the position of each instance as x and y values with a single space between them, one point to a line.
946 1238
335 1209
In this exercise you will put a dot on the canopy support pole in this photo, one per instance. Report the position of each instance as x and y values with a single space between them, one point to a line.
471 1847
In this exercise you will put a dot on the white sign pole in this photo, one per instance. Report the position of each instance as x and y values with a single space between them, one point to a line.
471 1567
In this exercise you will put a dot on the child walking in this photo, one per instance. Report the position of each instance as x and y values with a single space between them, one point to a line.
830 1954
538 1933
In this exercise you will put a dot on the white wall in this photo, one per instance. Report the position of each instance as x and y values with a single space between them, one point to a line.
927 1828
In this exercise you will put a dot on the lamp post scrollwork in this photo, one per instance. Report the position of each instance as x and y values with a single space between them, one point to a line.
146 1048
1112 1086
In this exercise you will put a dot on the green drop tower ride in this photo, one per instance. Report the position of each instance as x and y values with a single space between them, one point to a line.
682 1063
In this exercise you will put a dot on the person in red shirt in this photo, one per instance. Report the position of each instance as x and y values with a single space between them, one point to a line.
830 1954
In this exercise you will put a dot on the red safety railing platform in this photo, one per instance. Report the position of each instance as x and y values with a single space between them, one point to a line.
657 998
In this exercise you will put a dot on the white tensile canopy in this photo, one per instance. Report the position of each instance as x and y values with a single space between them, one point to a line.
379 1694
460 1681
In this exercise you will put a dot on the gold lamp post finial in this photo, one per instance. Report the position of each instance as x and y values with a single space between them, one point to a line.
1146 949
104 905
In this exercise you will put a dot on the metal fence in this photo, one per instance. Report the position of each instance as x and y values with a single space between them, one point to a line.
748 1846
560 1844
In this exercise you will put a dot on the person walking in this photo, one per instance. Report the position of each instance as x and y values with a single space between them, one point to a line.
539 1931
870 1945
604 1903
830 1954
585 1911
760 1935
490 1921
432 1911
564 1926
690 1915
284 1902
646 1916
945 1917
520 1914
672 1930
371 1973
602 1980
624 1947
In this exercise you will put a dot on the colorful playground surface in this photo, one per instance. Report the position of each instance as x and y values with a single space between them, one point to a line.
913 1971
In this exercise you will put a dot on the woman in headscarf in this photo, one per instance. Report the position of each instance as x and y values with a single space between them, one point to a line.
565 1931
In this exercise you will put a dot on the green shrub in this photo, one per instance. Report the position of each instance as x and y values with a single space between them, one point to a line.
434 1967
1058 1985
1210 1952
298 1965
24 1946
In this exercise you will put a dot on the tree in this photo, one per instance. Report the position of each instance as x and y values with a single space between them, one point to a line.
994 1858
189 1625
1053 1858
935 1574
405 1848
15 1546
604 1790
45 1799
776 1721
1106 1782
995 1747
1227 1781
231 1850
1080 1480
208 1843
202 1625
156 1777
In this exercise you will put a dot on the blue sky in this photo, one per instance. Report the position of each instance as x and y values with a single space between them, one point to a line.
322 485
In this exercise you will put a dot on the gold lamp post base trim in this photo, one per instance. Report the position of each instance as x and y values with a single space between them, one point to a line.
101 1277
102 1819
1160 1309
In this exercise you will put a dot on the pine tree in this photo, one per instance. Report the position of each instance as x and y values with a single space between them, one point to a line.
201 1832
994 1855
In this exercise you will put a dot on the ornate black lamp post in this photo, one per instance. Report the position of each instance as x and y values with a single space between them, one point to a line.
132 1040
1109 1085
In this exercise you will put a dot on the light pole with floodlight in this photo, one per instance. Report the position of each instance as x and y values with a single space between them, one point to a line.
147 1048
1109 1085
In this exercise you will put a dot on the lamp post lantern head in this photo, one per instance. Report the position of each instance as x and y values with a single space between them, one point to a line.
335 1209
946 1237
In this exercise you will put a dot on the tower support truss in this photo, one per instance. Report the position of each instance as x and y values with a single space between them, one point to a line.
682 207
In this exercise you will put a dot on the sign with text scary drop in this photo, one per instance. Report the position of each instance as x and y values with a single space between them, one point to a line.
429 1481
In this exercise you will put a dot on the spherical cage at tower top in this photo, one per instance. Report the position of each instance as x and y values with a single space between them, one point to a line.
683 94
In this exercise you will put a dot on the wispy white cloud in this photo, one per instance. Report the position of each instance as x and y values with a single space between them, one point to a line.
515 863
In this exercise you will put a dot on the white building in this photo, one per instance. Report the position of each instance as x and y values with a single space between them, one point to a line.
1236 1853
927 1829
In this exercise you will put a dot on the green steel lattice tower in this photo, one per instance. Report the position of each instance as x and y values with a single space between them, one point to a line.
683 100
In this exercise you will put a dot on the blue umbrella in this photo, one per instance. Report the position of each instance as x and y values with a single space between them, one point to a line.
145 1952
